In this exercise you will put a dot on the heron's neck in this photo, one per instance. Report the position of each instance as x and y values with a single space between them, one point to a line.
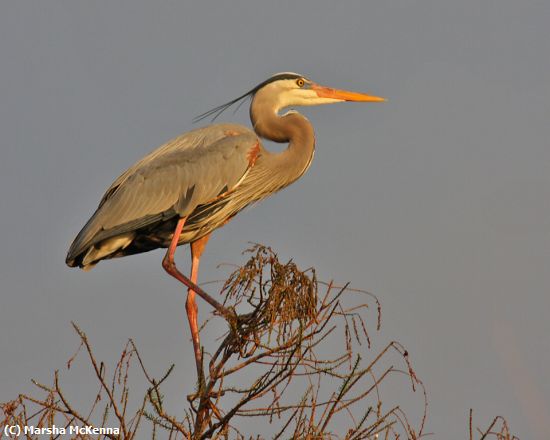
292 128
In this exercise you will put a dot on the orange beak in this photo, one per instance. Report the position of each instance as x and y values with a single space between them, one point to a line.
344 95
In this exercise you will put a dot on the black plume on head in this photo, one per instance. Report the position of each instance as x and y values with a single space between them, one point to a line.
217 111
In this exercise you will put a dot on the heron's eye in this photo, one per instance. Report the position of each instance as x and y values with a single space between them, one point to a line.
300 82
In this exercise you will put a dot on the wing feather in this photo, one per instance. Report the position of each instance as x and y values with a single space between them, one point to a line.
188 171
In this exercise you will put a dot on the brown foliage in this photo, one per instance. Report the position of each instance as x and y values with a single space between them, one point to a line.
497 430
299 359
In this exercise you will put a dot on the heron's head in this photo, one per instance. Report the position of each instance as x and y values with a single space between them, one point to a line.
291 89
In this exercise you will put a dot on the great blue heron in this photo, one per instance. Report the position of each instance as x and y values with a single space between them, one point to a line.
198 181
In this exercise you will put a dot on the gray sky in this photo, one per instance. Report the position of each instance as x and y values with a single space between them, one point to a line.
437 201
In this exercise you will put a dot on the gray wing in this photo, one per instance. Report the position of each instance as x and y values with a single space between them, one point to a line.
187 171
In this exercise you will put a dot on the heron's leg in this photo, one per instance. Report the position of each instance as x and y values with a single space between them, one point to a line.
170 267
168 260
197 248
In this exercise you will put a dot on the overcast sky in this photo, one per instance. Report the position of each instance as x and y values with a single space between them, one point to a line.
437 201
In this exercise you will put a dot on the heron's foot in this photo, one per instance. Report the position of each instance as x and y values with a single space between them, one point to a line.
229 314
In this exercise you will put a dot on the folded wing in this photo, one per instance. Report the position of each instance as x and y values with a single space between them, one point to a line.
173 180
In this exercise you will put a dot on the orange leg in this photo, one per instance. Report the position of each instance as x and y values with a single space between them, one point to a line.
197 248
169 265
